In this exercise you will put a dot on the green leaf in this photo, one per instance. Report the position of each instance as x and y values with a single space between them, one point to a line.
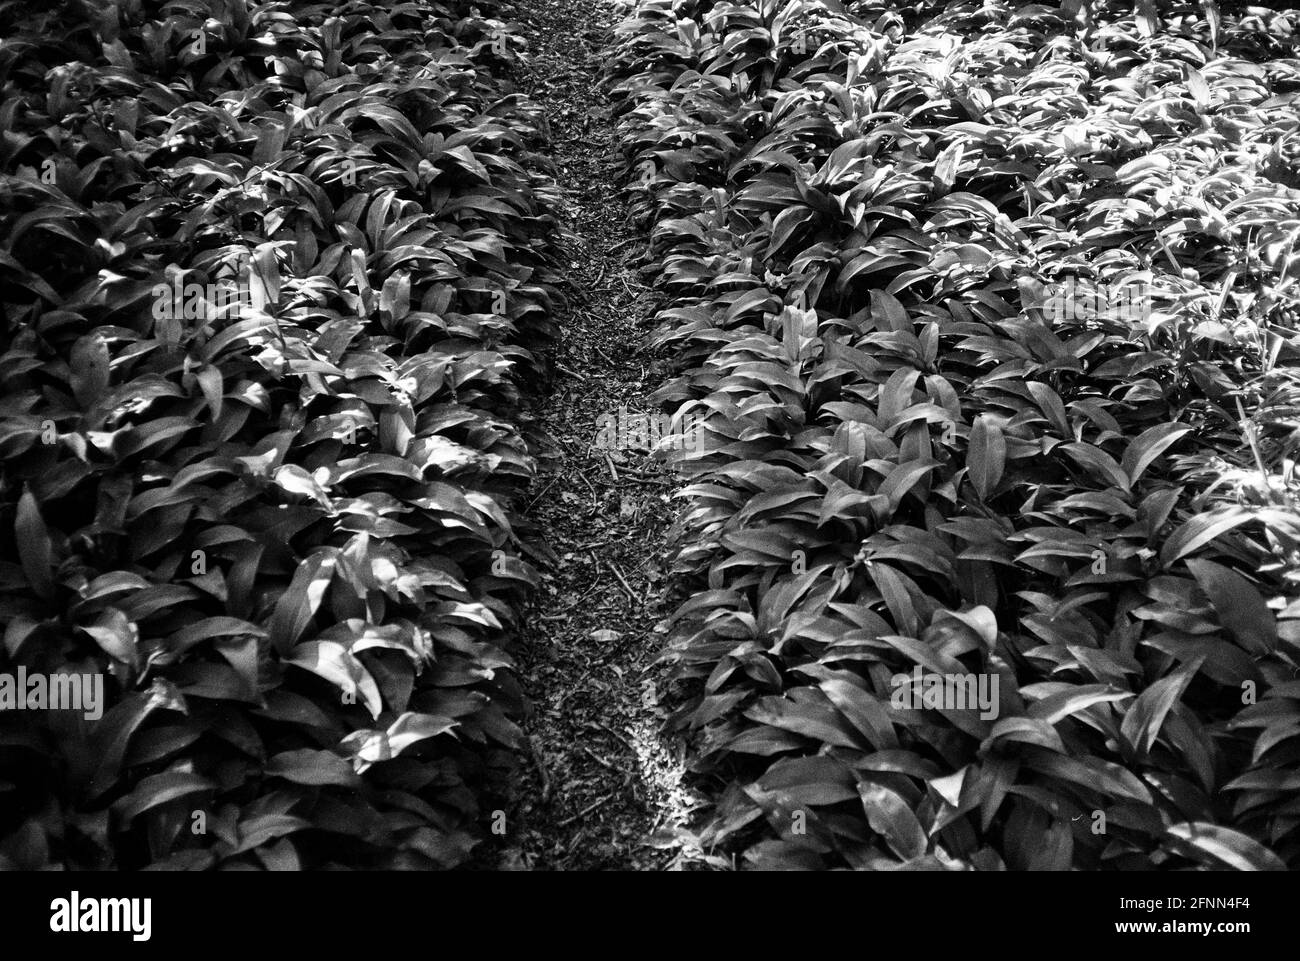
332 661
212 385
812 781
210 627
979 618
1025 729
1144 717
158 789
817 721
312 768
902 479
299 603
763 741
241 653
890 817
1148 20
1093 774
1200 530
1149 445
1239 605
1224 846
115 633
89 365
893 588
1053 849
946 166
987 455
889 313
114 582
1062 704
1099 463
112 735
863 710
32 540
293 479
257 831
412 727
395 296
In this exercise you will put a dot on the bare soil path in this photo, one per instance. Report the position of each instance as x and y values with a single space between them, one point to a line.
601 788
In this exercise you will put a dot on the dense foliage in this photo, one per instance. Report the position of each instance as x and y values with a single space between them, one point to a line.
275 276
911 460
986 315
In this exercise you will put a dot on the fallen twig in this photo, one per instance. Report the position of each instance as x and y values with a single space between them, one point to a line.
541 768
562 614
637 472
622 580
542 494
571 373
610 730
585 811
600 760
596 560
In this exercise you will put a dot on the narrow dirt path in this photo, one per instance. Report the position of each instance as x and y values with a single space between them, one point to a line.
601 786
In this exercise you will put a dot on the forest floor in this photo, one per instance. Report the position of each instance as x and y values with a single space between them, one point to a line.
603 790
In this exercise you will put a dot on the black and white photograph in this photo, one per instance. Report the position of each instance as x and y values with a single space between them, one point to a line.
593 437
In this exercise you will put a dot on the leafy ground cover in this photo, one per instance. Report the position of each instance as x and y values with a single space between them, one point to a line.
601 779
275 280
861 220
978 324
